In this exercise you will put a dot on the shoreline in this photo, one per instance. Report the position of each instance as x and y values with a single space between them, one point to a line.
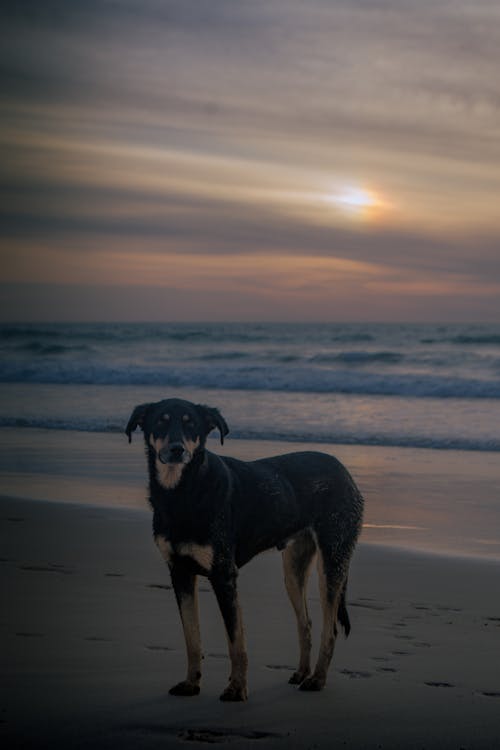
92 635
8 501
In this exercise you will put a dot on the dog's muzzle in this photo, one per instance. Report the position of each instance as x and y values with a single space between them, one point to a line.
176 453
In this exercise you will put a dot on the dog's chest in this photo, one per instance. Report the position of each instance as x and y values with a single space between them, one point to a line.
201 554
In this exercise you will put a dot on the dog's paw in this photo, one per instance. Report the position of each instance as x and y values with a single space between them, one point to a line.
234 693
298 677
312 684
185 688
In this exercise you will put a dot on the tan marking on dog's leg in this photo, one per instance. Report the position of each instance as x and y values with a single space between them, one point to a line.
164 546
226 592
329 606
191 625
327 643
237 688
296 569
202 554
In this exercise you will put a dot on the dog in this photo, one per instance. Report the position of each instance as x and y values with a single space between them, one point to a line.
212 514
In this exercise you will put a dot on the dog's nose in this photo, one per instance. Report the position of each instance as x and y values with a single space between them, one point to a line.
176 451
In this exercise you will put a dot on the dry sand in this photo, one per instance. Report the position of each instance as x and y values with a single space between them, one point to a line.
91 643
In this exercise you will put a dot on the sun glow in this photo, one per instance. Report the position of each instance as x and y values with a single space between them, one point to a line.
356 202
355 199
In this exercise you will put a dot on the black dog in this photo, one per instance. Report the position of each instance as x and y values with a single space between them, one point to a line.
213 514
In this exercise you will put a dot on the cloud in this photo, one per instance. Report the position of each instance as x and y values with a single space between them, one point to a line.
175 131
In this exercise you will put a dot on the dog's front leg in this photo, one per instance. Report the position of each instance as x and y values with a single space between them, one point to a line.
184 582
224 586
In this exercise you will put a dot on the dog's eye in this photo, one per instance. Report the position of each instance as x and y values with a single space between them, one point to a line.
166 417
187 419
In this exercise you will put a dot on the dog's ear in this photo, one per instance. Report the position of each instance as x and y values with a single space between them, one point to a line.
136 419
214 419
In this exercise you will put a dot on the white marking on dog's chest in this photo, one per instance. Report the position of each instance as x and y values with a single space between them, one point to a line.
203 554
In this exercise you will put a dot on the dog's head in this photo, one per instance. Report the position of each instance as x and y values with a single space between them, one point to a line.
174 431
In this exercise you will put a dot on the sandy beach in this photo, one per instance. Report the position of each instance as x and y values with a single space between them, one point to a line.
92 640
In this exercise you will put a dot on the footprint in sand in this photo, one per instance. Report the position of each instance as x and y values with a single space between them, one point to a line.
163 586
439 684
369 605
114 575
386 669
355 675
494 620
153 647
27 634
98 639
211 735
52 568
490 693
217 736
286 667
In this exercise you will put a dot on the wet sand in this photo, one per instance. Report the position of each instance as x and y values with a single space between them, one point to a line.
428 500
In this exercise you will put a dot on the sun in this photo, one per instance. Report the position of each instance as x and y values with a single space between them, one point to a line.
355 202
355 199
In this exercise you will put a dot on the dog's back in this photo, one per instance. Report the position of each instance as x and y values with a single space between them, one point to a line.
276 498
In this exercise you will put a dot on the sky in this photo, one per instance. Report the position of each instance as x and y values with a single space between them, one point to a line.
333 160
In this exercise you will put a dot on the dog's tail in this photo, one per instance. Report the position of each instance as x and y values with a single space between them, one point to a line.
343 615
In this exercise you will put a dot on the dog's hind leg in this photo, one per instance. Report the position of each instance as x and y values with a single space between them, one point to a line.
224 586
185 586
332 578
297 559
343 614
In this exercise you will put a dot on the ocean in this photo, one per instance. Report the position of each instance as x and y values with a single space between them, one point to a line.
426 386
